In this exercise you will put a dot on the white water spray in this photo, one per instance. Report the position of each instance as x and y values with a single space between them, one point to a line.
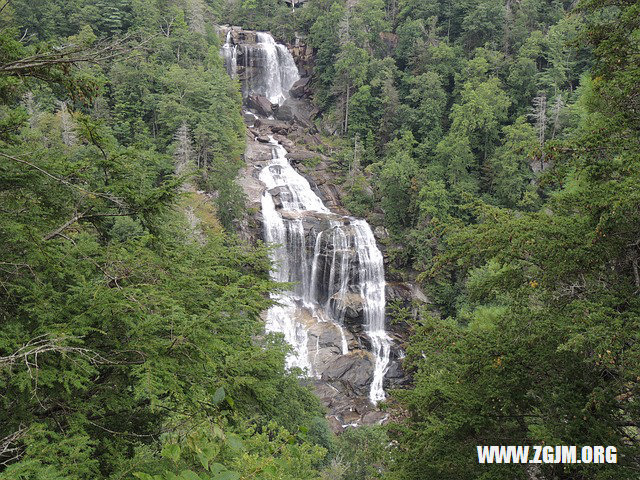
230 55
268 68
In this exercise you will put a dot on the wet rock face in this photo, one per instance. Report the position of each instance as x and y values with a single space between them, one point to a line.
285 113
396 377
351 305
326 345
266 126
243 36
351 373
343 387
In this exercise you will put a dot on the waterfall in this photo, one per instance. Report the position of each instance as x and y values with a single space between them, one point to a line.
344 263
372 290
332 260
278 67
268 69
296 193
282 317
290 253
230 56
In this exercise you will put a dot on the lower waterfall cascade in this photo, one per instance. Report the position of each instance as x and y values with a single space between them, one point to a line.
332 260
323 283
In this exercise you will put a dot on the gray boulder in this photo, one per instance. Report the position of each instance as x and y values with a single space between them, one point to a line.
300 156
375 417
353 371
260 104
353 306
299 89
285 113
277 194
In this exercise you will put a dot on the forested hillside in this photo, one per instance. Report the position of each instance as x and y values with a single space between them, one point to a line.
496 142
130 337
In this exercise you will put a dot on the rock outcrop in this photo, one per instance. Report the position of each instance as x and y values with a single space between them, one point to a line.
260 104
300 88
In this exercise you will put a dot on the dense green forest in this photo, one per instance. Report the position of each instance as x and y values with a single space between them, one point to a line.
131 344
497 141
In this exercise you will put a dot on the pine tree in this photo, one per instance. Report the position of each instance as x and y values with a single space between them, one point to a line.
67 125
184 153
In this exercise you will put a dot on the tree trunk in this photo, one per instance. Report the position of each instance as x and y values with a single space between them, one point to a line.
345 127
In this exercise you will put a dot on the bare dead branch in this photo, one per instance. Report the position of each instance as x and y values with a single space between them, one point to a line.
4 6
79 216
29 352
124 434
9 451
64 226
24 35
66 55
72 55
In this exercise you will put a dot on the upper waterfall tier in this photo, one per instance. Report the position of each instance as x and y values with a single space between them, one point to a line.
264 67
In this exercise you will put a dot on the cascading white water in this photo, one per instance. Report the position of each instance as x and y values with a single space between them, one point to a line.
372 290
230 56
278 67
290 252
281 317
268 69
296 193
355 267
345 262
333 261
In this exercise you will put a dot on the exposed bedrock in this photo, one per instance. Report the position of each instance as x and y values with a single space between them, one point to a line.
301 89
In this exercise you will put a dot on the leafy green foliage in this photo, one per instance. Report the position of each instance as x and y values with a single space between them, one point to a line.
131 340
364 452
541 347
